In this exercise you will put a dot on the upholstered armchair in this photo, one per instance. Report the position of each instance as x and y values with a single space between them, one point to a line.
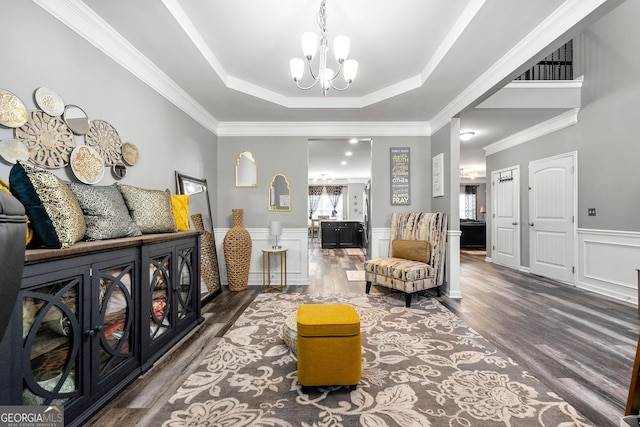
417 247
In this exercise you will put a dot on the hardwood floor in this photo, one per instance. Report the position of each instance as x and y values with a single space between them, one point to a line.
580 344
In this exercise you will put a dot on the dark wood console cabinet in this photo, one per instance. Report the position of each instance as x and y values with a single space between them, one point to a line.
341 234
91 318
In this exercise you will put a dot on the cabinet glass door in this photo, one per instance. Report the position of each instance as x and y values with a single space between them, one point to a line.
160 279
51 347
115 325
185 280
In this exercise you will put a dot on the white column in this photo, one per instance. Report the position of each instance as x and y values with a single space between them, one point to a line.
453 232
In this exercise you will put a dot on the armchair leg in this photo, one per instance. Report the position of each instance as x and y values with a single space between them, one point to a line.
368 287
407 300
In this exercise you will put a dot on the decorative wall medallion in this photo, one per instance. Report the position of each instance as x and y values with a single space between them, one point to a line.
105 139
130 153
13 150
49 101
87 165
13 113
48 139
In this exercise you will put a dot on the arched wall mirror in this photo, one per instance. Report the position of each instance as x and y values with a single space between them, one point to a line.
246 170
202 220
279 194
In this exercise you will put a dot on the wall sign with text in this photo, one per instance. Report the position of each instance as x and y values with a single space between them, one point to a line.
400 177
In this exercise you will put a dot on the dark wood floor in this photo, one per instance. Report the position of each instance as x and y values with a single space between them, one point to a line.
579 344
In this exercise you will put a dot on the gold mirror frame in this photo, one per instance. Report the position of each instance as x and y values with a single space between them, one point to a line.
246 170
279 194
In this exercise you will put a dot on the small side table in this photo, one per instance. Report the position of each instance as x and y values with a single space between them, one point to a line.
266 269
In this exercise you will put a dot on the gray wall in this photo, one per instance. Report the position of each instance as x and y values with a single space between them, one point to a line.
287 155
604 135
355 201
41 51
441 143
420 163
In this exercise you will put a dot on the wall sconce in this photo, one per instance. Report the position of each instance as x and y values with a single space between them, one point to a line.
275 229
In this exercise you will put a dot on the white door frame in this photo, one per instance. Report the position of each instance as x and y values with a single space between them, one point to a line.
494 230
574 156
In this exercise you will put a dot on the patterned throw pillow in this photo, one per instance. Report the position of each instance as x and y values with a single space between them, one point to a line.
53 210
150 209
180 204
105 212
5 187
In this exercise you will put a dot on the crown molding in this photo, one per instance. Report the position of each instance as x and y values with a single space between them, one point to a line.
562 121
80 18
569 14
324 129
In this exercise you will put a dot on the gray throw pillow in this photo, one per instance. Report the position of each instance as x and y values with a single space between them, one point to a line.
105 212
150 209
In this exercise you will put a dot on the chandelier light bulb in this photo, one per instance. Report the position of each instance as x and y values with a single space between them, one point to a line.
297 68
341 48
350 70
309 45
466 136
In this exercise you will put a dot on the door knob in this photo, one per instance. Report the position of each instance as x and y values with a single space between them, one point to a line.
514 223
531 224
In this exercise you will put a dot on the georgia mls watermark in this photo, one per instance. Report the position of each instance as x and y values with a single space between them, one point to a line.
31 416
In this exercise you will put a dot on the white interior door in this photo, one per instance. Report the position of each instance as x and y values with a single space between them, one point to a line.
505 230
552 217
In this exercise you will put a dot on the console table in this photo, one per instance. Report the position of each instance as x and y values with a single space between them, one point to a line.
91 318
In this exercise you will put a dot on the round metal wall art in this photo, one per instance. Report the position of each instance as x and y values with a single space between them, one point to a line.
13 113
13 150
48 139
130 153
87 165
76 119
49 101
119 170
106 141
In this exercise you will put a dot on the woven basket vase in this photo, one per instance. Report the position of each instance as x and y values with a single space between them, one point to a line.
237 253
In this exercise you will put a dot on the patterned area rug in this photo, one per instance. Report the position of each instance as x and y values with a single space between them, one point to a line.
355 275
422 366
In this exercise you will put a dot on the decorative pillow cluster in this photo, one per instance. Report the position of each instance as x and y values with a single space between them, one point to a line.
105 212
414 250
150 209
54 212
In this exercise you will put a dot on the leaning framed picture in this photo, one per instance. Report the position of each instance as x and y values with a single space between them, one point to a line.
437 169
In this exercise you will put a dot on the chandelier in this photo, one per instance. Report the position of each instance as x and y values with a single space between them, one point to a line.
325 75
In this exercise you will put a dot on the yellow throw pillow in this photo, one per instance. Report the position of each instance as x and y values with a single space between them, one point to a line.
414 250
5 187
180 205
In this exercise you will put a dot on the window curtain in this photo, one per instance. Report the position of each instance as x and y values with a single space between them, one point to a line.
315 192
470 192
334 192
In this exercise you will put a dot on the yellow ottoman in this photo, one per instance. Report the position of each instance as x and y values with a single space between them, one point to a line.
329 346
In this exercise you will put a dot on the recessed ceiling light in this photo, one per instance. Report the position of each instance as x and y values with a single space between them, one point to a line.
348 153
353 141
343 163
466 136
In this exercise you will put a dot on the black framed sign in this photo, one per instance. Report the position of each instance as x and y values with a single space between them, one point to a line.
400 176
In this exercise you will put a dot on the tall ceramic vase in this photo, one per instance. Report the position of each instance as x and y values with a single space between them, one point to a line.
237 253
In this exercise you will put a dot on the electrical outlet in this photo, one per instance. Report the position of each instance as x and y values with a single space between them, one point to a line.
591 211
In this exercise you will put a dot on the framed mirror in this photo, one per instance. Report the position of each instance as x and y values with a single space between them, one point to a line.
246 170
201 219
279 194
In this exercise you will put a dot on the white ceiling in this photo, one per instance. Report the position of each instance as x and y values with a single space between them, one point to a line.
226 62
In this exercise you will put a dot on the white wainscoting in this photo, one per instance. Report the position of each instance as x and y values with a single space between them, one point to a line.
380 242
295 240
607 263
